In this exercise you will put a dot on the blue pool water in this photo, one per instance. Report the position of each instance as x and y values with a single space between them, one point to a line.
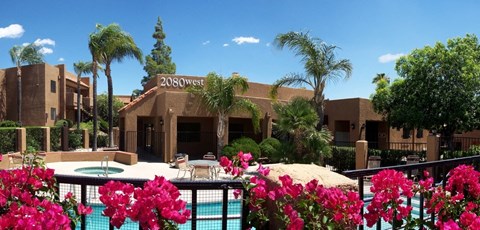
98 170
208 210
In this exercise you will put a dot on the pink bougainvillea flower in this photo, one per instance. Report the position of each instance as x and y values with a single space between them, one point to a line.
264 171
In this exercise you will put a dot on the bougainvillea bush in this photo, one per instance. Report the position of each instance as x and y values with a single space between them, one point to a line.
30 200
309 206
155 206
457 206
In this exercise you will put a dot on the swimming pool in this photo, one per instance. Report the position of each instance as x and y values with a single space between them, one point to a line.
97 170
211 213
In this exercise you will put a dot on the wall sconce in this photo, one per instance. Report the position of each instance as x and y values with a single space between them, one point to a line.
352 125
161 121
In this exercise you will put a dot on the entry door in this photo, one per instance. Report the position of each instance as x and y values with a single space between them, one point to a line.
371 134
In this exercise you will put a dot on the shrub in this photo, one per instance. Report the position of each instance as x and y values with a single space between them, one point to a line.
102 125
8 123
343 158
391 157
55 138
35 137
245 144
269 148
472 151
62 122
8 138
102 139
75 139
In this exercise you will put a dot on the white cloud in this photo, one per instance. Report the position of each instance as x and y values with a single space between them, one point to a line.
43 42
268 44
225 45
25 44
389 57
61 59
241 40
45 50
205 42
12 31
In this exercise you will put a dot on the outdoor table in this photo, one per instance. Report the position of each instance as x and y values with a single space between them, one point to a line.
213 165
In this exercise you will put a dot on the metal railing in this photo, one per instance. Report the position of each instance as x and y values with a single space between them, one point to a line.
439 172
66 183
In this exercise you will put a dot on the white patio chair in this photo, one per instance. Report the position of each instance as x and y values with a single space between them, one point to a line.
183 166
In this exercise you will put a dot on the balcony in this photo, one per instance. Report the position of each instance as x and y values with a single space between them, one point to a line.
71 100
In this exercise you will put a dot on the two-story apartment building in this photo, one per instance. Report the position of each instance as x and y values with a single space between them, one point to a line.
49 93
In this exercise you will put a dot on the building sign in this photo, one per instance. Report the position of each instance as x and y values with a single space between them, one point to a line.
179 82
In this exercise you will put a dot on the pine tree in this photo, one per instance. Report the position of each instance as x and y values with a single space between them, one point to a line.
159 61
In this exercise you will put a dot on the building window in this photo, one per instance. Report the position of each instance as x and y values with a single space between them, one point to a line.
53 113
188 132
53 86
406 133
419 133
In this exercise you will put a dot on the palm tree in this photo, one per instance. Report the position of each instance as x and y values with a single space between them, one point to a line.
94 42
296 123
26 54
381 77
320 63
220 97
114 45
80 68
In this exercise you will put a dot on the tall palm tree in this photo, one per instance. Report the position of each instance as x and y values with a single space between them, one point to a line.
80 68
26 54
320 63
94 43
219 95
381 77
296 124
114 45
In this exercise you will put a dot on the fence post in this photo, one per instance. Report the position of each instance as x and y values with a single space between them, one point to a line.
21 139
85 138
361 152
433 148
46 139
116 136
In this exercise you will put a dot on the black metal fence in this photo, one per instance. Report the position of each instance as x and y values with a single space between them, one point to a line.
439 170
211 202
459 143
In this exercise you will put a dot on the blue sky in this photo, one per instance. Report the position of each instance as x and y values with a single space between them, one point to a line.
205 35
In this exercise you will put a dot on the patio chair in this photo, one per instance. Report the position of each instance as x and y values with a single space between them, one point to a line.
209 157
373 162
183 166
202 171
15 160
413 159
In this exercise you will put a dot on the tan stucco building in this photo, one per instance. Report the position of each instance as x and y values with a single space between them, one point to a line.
354 119
166 120
48 94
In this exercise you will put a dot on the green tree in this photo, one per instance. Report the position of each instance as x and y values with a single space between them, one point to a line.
114 44
20 55
80 68
296 123
159 60
102 100
320 63
220 97
439 88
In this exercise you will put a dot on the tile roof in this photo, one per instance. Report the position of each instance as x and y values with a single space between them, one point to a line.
139 98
